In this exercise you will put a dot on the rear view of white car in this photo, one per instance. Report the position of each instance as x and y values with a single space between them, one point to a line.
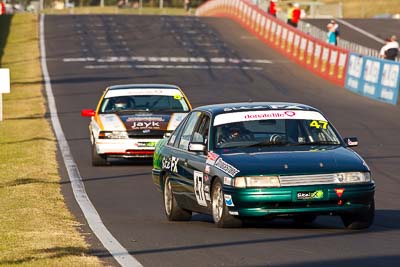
131 119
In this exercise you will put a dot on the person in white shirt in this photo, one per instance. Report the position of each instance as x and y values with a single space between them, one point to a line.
390 50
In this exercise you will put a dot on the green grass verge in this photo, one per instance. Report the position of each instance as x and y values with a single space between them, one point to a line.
36 228
116 10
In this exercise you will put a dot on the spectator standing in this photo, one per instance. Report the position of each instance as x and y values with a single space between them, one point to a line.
390 50
331 34
272 7
296 14
337 31
2 8
187 6
290 13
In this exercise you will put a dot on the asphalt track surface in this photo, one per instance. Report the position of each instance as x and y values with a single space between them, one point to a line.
123 194
381 28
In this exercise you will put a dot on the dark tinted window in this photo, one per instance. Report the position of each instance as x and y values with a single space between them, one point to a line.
153 103
188 130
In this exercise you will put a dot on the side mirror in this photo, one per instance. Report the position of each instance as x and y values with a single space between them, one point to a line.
87 113
197 147
351 141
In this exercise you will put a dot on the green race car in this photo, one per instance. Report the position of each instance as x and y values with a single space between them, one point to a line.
269 160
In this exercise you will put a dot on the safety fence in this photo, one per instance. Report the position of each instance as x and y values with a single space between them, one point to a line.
323 59
320 57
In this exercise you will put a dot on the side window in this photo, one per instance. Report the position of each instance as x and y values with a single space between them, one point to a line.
188 130
200 135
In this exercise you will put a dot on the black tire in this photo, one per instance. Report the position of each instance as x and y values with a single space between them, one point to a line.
98 160
171 207
361 220
304 219
220 212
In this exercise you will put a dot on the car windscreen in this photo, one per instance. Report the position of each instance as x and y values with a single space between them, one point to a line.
150 103
275 132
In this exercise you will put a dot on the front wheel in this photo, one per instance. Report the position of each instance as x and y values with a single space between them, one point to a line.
220 212
361 220
171 207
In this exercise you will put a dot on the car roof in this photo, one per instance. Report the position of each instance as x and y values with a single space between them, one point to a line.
216 109
143 86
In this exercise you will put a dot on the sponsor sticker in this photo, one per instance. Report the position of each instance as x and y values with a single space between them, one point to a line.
207 169
146 125
267 115
229 201
207 188
170 164
139 122
146 144
226 167
149 91
211 158
313 195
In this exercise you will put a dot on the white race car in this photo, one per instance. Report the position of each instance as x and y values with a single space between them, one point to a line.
130 119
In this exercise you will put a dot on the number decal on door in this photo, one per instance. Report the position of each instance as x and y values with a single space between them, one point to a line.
199 188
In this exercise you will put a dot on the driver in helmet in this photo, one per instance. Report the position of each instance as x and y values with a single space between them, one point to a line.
121 103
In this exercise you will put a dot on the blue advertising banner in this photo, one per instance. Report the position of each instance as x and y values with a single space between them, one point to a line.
372 77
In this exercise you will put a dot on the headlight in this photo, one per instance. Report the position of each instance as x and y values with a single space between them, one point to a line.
113 135
353 177
256 181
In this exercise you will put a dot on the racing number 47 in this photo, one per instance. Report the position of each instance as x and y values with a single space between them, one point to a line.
319 124
199 188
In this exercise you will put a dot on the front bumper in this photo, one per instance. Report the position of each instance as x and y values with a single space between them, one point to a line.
126 148
284 201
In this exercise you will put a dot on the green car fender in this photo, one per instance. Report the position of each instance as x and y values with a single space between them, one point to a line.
157 159
157 163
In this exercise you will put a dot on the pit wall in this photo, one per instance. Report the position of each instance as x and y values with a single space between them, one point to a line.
332 63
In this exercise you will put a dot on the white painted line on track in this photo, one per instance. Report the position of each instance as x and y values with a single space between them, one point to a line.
120 254
168 59
191 67
354 27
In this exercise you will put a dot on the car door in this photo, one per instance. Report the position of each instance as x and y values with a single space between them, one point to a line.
176 163
196 163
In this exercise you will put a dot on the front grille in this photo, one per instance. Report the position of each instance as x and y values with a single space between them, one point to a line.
297 180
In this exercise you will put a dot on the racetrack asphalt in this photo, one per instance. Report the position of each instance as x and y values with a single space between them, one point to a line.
380 28
87 53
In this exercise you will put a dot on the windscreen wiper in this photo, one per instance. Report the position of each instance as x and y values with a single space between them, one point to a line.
268 143
319 143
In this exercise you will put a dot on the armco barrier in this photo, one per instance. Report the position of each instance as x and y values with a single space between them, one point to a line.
368 76
373 77
317 56
327 61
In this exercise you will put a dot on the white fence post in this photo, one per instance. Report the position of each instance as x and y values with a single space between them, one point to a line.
4 87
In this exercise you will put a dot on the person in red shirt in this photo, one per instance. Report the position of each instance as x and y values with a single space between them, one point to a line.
2 8
272 8
296 14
